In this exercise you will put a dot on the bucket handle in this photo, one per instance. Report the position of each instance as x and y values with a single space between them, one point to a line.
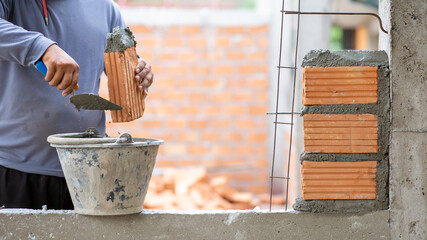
124 138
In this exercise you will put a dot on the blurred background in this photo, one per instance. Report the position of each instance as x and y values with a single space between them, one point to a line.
215 65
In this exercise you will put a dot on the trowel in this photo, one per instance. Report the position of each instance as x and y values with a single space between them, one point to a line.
86 101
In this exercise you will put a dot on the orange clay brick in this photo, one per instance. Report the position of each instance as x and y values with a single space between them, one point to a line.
164 109
243 96
188 136
212 55
257 137
222 42
258 110
165 163
149 42
221 150
257 83
234 110
235 55
236 83
263 42
198 123
197 42
140 29
340 85
166 56
223 70
247 69
220 123
340 133
175 149
189 110
211 83
221 97
190 29
259 189
152 123
188 56
186 163
200 70
173 42
122 87
259 29
233 137
196 149
339 180
232 30
212 110
194 97
258 56
245 124
175 123
210 136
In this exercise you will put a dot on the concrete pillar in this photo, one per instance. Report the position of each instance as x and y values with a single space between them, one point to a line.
406 45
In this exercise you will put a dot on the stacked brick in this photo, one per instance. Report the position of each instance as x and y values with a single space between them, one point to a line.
122 87
346 129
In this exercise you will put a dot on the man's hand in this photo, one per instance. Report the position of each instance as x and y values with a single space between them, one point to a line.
144 76
62 70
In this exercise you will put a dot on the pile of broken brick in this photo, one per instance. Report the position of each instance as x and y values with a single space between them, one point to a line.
193 189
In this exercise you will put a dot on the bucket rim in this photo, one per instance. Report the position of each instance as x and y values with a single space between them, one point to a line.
91 140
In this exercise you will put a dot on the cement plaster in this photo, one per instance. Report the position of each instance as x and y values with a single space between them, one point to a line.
408 183
120 40
151 224
326 58
408 54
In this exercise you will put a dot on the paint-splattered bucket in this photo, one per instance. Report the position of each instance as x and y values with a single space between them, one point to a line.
106 176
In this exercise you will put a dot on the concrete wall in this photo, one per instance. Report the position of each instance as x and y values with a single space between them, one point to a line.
239 225
408 150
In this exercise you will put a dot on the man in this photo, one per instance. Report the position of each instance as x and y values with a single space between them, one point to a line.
69 37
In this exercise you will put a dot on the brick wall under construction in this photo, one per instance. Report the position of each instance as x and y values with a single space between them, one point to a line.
208 100
346 131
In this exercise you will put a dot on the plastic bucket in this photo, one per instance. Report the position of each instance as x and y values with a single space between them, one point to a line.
106 176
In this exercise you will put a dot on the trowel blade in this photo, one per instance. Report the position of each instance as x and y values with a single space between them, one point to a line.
90 101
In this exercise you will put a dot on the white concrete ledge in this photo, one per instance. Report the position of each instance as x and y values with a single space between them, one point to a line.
152 224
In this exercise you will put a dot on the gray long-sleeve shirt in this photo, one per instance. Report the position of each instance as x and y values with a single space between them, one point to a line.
30 109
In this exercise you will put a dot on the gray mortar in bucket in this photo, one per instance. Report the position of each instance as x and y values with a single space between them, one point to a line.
106 176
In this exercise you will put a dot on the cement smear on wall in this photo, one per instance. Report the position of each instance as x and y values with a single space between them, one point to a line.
325 58
120 40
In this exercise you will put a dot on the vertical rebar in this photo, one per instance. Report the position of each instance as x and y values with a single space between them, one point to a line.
277 103
293 105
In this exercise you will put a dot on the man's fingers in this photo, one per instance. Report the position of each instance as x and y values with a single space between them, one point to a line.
141 65
66 82
57 78
50 73
63 71
143 73
148 80
72 86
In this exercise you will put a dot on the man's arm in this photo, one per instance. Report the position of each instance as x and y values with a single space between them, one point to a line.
26 47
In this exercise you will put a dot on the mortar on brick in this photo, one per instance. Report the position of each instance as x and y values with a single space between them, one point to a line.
120 40
326 58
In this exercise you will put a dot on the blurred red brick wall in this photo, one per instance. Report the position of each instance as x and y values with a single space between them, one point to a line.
208 100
